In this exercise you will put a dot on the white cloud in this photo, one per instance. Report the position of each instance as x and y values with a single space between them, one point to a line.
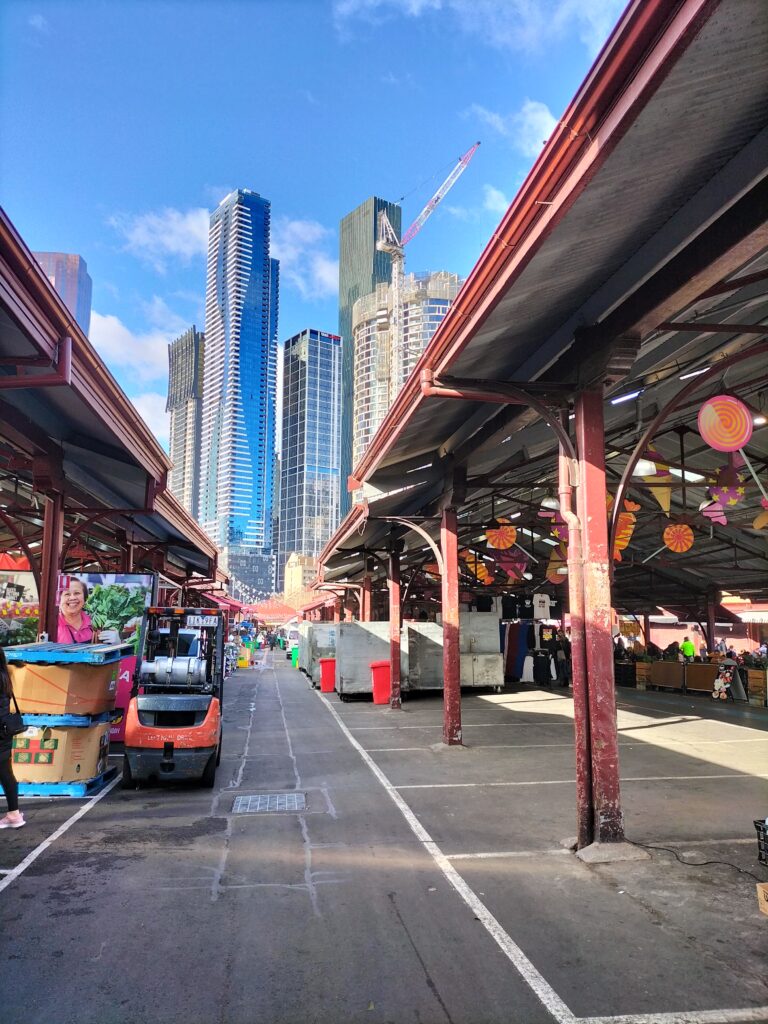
151 407
527 25
527 129
302 248
494 200
156 236
142 357
39 23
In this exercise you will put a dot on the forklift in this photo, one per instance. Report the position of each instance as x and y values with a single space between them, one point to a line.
173 725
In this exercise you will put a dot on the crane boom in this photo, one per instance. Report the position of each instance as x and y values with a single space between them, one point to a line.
444 189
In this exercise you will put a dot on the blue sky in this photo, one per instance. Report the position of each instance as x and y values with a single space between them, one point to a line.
124 122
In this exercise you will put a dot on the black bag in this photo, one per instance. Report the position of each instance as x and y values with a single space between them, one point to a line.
12 723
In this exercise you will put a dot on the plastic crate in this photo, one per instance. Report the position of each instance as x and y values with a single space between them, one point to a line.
762 841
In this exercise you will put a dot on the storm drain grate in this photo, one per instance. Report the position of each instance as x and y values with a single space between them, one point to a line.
269 803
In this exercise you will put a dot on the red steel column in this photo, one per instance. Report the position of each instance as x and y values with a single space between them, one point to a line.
50 557
337 610
585 824
711 623
646 629
393 584
593 514
365 615
450 611
349 613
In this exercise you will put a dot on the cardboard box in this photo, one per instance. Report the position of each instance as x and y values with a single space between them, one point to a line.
75 689
762 897
60 753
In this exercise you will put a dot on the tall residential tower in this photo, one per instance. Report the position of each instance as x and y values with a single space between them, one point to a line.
185 389
309 485
361 268
239 393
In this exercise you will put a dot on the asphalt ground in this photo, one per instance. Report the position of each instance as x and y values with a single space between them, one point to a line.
419 883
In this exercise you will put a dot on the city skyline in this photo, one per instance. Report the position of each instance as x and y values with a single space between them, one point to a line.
317 147
186 362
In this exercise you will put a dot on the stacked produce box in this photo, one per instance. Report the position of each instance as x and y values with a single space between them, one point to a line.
66 693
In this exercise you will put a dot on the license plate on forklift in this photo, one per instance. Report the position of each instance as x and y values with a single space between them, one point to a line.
198 621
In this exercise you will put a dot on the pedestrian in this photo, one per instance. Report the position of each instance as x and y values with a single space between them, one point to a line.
687 649
720 646
13 818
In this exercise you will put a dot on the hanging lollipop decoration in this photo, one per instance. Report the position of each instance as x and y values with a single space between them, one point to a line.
726 491
513 562
678 538
501 534
625 526
761 519
725 424
557 567
658 478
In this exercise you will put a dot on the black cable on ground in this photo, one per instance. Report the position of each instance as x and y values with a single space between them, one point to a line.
696 863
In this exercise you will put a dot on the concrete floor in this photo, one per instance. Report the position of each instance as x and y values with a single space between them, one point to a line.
420 885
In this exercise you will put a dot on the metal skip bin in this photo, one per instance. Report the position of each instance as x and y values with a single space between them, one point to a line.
424 643
357 645
481 660
316 640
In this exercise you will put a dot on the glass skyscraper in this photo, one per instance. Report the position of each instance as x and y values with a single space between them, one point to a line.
361 268
239 390
309 483
185 389
69 276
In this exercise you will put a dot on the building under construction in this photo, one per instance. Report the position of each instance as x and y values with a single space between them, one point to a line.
381 369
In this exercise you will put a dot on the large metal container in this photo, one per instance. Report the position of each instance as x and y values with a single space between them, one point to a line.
316 640
357 645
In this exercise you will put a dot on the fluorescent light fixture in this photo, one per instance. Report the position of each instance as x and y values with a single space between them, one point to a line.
690 478
760 420
628 397
548 540
693 373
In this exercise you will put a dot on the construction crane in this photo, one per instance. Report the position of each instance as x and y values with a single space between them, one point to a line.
388 242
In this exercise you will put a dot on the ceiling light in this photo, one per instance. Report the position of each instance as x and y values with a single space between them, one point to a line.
550 502
760 420
644 467
693 373
628 397
690 478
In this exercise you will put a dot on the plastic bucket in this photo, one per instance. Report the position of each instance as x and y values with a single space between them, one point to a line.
381 681
327 674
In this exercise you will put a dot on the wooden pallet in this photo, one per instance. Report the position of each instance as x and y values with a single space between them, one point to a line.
76 790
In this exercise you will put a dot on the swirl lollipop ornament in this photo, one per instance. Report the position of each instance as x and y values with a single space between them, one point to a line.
678 537
501 536
725 423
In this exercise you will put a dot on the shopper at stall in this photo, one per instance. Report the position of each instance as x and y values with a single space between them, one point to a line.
13 818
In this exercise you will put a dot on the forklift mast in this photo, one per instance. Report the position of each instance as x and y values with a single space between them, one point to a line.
181 650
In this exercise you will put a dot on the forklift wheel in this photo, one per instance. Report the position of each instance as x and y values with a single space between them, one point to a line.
127 779
208 778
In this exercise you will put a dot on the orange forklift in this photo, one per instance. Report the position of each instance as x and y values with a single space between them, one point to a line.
173 725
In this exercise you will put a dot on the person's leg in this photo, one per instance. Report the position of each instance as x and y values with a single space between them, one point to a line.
11 789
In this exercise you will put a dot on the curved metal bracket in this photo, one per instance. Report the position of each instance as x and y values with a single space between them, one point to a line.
422 533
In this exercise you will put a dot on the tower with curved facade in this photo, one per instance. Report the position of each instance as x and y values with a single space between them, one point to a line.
239 389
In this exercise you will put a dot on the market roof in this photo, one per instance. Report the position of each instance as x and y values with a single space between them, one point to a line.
635 253
64 417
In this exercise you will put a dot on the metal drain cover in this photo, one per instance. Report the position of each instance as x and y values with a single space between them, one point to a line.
269 803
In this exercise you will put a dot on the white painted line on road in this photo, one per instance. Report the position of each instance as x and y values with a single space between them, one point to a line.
559 852
535 981
736 776
32 857
750 1013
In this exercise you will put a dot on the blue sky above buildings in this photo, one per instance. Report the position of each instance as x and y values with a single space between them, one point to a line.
124 123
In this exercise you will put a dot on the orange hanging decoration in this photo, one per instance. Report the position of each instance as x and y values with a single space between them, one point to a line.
502 536
678 537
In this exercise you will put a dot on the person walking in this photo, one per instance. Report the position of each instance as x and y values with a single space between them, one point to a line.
13 818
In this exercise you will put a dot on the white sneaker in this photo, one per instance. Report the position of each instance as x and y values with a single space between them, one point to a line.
8 823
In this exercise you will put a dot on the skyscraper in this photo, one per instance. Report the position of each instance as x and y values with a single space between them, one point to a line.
309 485
185 388
69 276
239 392
361 268
426 299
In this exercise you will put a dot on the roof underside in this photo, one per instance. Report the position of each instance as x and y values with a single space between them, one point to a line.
665 203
